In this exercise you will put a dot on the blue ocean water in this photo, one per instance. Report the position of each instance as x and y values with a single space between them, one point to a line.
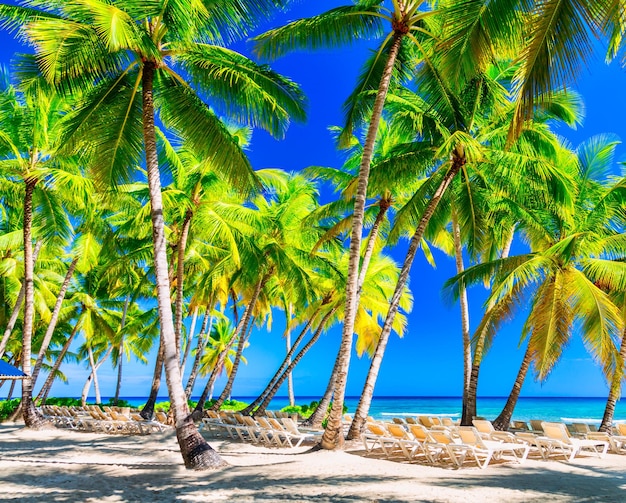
566 409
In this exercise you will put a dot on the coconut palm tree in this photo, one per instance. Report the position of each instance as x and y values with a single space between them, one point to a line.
130 58
407 21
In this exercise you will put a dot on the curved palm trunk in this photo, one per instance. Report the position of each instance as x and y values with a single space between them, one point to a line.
470 398
458 160
383 205
45 389
316 419
180 279
263 407
283 365
196 452
465 322
93 376
615 390
199 350
245 322
290 392
333 435
18 306
120 351
53 319
192 331
503 421
148 409
32 419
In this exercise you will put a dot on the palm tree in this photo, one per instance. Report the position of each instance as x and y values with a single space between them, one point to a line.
130 58
341 25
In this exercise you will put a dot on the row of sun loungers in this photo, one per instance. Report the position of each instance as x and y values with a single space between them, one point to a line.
481 443
111 420
268 431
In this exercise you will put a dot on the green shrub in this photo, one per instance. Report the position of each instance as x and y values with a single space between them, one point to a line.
64 401
235 405
7 407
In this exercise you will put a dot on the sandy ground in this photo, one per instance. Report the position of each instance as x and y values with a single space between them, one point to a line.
69 466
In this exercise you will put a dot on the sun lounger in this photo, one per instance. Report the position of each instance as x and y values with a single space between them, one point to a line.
441 443
375 435
407 444
557 440
488 432
490 449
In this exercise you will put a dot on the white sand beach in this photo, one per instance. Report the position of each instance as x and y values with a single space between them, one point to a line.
69 466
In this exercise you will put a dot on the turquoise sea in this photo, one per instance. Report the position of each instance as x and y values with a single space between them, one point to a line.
566 409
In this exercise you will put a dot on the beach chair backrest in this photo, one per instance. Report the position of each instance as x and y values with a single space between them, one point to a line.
275 424
556 431
411 420
621 428
398 420
264 423
469 435
419 432
520 425
535 424
290 425
440 437
397 431
581 428
426 421
446 421
376 429
483 426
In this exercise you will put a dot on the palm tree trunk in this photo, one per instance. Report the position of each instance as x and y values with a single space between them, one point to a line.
383 206
45 389
503 421
470 411
283 365
290 392
53 319
120 352
333 435
263 407
615 390
92 377
465 322
148 409
458 160
180 279
196 452
246 319
316 419
202 336
18 306
192 330
32 419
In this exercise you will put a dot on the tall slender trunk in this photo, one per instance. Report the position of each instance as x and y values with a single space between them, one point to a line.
458 161
32 419
333 435
504 419
93 376
18 306
615 390
463 303
11 390
192 331
290 392
45 389
316 419
245 321
120 351
202 337
383 206
196 452
470 410
243 340
283 365
53 319
180 280
268 398
148 409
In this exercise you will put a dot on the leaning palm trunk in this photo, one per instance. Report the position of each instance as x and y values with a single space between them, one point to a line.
32 419
465 328
120 352
250 408
199 350
263 407
180 279
148 409
503 421
316 419
45 389
192 331
53 319
18 306
469 411
246 321
458 161
243 340
93 376
333 435
383 206
196 452
290 391
615 390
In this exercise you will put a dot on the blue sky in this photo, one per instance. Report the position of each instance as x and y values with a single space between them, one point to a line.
427 361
